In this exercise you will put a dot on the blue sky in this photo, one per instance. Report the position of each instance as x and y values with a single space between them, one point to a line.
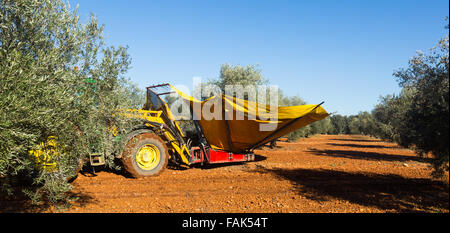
341 52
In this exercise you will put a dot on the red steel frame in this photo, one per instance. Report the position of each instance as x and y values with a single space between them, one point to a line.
212 156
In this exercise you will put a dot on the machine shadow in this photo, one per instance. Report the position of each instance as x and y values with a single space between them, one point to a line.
355 140
18 202
390 193
364 146
374 156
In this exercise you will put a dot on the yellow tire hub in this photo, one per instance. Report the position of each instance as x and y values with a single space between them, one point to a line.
147 157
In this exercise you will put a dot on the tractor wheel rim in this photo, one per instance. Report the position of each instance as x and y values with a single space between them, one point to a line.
147 157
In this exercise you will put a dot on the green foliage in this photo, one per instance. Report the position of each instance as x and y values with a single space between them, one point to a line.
363 123
319 127
230 79
427 116
339 124
43 94
290 100
239 75
389 115
418 118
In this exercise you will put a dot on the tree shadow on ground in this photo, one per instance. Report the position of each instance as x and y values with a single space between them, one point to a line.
18 202
356 140
390 193
374 156
365 146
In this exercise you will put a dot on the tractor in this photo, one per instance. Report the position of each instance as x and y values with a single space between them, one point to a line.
149 147
160 140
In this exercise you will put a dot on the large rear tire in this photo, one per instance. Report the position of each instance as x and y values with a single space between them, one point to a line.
145 155
45 157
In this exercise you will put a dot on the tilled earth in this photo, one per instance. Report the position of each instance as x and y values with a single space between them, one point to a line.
328 173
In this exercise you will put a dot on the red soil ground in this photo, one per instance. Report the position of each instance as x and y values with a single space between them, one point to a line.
322 174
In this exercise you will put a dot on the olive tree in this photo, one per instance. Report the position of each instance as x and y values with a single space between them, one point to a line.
57 79
427 118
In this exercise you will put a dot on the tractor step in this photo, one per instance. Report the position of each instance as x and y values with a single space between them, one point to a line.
97 159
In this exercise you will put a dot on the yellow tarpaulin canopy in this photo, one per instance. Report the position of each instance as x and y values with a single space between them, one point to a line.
237 125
